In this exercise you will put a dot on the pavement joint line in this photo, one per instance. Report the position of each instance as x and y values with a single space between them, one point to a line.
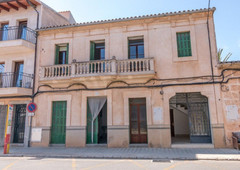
137 164
175 164
11 164
74 164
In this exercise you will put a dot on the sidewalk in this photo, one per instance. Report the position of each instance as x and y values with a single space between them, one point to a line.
125 153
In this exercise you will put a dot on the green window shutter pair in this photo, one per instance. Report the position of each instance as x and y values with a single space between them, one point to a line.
57 54
184 44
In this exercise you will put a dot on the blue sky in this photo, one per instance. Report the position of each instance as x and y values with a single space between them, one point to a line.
227 15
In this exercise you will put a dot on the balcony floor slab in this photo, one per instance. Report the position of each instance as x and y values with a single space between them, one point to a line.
15 91
16 46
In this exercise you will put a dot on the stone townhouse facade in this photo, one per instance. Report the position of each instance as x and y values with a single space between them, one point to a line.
149 80
18 38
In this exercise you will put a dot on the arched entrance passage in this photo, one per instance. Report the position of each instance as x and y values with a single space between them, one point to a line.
189 116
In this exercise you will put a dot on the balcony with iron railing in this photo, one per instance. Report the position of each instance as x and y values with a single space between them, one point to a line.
16 83
16 39
143 66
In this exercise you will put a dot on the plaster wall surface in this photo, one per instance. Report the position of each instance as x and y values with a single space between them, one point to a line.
181 123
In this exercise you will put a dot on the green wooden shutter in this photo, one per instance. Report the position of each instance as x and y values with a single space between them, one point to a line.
57 54
92 50
128 49
67 54
58 130
92 54
184 44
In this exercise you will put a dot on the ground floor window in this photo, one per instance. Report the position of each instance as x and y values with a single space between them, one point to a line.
189 118
58 129
138 120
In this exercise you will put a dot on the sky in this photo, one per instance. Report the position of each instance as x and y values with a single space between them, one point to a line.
226 17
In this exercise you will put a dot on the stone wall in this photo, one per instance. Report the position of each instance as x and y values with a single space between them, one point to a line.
231 105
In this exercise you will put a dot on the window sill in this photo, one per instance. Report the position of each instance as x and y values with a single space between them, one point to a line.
183 59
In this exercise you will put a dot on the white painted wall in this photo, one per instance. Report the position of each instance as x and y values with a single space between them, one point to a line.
181 123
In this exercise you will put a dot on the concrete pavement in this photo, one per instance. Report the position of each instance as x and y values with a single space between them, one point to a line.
125 153
29 163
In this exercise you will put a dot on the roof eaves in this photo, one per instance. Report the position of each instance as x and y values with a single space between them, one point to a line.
126 19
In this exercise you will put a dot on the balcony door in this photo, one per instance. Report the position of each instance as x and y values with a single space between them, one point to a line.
97 52
4 32
18 74
22 30
138 120
136 48
2 66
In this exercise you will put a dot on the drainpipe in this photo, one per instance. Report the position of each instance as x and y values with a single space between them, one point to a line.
34 69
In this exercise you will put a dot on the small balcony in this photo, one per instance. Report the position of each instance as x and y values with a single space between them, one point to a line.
17 40
15 84
130 67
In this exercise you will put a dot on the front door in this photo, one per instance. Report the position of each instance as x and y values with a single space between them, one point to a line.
19 123
58 130
138 120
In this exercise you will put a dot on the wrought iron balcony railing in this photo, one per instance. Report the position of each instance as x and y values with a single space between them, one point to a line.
15 33
12 79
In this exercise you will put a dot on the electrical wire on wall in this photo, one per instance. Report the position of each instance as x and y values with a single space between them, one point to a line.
211 59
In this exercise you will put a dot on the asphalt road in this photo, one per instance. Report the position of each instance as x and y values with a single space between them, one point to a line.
111 164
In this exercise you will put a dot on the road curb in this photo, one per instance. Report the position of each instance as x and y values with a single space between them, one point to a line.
225 158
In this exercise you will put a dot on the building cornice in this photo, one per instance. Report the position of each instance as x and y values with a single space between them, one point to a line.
188 12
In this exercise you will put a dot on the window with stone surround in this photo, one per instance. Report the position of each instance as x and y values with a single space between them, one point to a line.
61 54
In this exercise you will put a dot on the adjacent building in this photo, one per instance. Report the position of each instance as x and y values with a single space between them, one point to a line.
18 21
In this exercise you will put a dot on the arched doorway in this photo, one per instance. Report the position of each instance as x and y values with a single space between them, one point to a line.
189 116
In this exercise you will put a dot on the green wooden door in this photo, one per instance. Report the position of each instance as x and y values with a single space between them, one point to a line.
58 131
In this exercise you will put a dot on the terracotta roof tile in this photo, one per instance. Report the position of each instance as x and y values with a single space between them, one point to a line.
128 18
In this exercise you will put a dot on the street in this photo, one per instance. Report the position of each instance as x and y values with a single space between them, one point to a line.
38 163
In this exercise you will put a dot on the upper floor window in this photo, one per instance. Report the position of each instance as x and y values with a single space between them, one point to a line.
18 74
135 48
184 44
97 51
2 66
61 54
22 30
4 32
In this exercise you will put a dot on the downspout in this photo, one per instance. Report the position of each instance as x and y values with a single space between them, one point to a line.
34 69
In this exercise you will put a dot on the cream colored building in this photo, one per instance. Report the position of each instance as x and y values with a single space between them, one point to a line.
18 21
144 81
